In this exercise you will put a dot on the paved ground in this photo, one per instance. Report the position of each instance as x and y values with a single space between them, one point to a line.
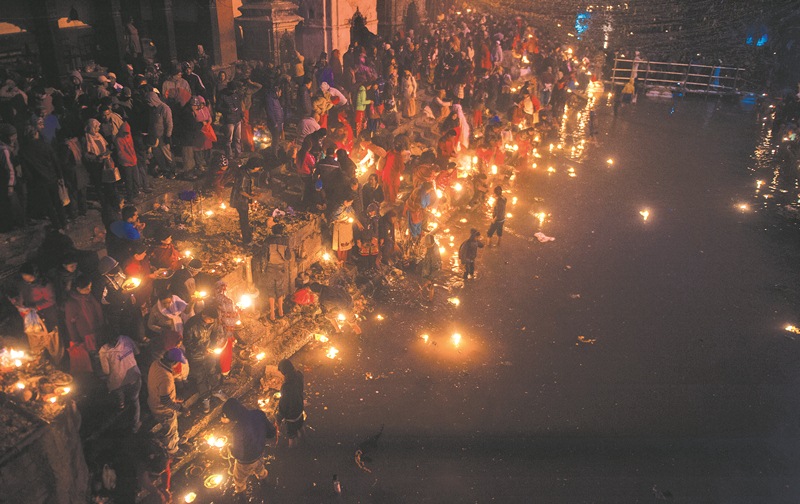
688 386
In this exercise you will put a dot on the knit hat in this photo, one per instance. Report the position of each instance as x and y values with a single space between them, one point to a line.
175 355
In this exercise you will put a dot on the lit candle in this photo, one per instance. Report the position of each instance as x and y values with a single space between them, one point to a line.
456 339
332 352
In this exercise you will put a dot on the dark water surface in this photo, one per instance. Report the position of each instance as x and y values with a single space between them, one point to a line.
689 385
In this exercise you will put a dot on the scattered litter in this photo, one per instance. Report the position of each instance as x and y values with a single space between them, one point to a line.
575 296
543 238
360 462
585 340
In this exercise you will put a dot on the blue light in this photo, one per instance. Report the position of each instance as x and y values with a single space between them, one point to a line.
763 40
582 23
749 40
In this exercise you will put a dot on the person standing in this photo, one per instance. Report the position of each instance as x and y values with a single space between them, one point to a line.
40 163
202 336
409 95
277 257
159 134
468 252
275 118
361 107
11 209
291 409
230 105
498 216
123 377
250 432
83 318
243 193
163 400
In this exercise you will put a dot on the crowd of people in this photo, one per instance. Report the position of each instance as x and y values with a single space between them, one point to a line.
473 79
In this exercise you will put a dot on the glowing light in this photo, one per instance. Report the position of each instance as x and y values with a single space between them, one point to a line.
52 399
131 283
456 339
200 294
541 216
759 183
341 317
209 213
491 200
792 329
322 338
238 322
189 497
610 161
645 214
514 200
223 206
261 356
454 301
213 481
425 338
66 390
379 317
474 159
463 220
515 148
187 253
494 169
326 257
550 169
237 260
20 385
331 353
245 301
743 207
218 351
17 363
458 187
508 215
442 250
350 220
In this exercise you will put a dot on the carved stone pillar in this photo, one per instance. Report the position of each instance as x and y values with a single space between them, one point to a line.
261 26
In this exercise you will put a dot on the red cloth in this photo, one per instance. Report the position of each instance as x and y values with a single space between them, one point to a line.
79 361
165 256
303 297
247 132
226 357
359 121
126 154
306 166
390 175
83 317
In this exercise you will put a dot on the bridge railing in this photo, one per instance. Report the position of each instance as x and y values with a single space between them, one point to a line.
689 77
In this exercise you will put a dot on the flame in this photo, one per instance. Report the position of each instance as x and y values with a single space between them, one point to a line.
20 385
341 317
189 497
218 351
331 353
541 216
743 207
610 161
425 338
454 301
245 301
209 213
52 399
261 356
456 339
223 206
442 250
645 214
514 200
494 169
326 257
458 187
474 159
379 317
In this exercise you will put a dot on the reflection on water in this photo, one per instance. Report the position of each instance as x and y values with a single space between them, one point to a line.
773 166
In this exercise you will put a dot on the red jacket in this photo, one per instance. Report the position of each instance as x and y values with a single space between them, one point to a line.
126 154
84 319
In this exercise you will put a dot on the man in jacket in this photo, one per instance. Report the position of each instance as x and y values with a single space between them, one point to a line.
202 334
275 118
230 105
159 134
243 193
123 377
468 252
305 106
162 398
250 432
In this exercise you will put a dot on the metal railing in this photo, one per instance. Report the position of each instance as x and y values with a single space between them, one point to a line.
687 77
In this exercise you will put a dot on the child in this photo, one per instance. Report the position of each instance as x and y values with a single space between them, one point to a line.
498 216
468 252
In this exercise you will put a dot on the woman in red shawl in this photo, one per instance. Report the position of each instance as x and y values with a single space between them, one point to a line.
393 168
